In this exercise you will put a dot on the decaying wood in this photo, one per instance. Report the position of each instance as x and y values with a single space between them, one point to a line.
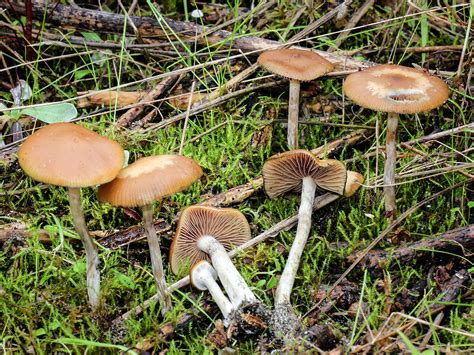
109 98
460 240
158 91
133 234
148 27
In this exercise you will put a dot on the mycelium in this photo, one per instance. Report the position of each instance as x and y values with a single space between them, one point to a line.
296 65
145 181
397 90
69 155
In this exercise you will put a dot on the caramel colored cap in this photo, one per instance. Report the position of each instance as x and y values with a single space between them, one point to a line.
66 154
395 88
354 180
295 64
227 225
149 179
284 173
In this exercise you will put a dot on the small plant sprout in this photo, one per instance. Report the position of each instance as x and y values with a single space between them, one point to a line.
140 184
69 155
203 276
296 65
299 170
397 90
207 233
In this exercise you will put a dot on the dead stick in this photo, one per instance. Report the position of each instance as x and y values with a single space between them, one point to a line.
451 241
351 24
158 91
383 235
91 20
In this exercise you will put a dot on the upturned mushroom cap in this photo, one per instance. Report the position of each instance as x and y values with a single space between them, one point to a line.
395 88
198 270
149 179
354 180
284 173
66 154
295 64
227 225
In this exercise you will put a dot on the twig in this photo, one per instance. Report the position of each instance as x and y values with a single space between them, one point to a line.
452 241
159 90
351 24
206 105
185 125
92 20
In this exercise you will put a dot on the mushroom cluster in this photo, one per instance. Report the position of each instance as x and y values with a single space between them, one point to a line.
69 155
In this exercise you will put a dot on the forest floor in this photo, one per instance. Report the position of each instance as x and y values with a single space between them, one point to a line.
408 285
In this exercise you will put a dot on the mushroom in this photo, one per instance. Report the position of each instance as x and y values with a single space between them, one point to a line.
203 276
296 65
140 184
299 170
69 155
205 233
353 182
397 90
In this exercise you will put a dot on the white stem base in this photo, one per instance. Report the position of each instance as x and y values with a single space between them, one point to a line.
287 279
233 282
220 298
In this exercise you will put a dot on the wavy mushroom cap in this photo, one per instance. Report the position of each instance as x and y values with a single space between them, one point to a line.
149 179
227 225
395 88
66 154
284 173
295 64
354 180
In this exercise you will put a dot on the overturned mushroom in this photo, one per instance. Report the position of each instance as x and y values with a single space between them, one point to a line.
69 155
299 170
140 184
296 65
207 233
203 276
397 90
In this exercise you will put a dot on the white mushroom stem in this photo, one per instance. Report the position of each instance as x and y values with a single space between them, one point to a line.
156 261
293 113
287 279
390 163
234 284
203 278
92 256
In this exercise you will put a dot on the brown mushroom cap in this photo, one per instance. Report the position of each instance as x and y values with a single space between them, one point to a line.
354 180
395 88
227 225
66 154
295 64
284 172
149 179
